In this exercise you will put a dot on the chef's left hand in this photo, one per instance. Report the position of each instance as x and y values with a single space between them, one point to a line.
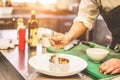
111 66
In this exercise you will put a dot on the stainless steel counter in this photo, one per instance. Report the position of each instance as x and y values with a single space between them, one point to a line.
17 67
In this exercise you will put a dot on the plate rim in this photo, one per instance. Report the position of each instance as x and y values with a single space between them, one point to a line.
55 74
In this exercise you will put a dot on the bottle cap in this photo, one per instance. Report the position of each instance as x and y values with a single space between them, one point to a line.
19 21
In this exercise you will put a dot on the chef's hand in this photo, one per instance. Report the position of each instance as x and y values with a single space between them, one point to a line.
59 40
111 66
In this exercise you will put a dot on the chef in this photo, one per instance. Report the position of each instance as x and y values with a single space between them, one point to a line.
88 12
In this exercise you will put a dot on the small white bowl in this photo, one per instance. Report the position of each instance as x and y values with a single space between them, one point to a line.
97 54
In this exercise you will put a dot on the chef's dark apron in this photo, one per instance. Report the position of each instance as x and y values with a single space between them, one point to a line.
112 19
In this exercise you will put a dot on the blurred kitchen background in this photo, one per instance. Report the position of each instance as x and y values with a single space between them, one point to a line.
57 15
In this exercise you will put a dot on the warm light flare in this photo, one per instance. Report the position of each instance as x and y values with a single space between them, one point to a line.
34 1
47 1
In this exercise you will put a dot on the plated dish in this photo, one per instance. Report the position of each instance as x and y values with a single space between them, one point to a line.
43 65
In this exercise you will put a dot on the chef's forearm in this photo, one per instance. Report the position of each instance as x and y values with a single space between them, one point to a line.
77 29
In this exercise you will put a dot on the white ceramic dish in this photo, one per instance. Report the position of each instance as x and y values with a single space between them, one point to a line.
6 10
97 54
6 43
41 63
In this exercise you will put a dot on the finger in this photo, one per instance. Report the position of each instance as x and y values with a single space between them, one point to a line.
55 47
109 70
60 46
116 71
51 42
105 63
104 67
57 38
57 34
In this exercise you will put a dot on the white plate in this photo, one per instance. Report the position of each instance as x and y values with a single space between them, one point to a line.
41 63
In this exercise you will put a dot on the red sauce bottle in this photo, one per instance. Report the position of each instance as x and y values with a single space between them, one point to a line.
21 34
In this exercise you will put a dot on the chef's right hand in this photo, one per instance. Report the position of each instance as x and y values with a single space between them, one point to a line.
59 40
